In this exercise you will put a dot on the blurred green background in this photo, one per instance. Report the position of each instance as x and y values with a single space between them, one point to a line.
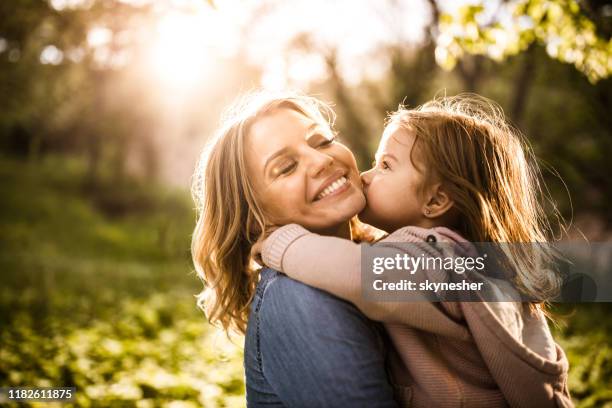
105 105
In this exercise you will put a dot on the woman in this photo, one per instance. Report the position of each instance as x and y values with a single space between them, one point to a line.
274 162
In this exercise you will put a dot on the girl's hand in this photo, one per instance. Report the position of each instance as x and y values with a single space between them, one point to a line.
256 251
258 246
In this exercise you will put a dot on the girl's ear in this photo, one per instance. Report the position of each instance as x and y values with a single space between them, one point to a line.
438 202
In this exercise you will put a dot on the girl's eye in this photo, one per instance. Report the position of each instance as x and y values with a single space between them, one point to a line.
383 164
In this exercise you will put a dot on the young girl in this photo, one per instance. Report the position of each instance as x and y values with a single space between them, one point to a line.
450 171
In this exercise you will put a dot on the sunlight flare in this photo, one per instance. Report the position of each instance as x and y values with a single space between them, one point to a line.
179 56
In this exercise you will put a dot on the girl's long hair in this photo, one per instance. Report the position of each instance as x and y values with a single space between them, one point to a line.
229 220
489 170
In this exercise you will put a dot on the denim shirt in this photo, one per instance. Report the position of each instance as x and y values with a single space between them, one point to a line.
307 348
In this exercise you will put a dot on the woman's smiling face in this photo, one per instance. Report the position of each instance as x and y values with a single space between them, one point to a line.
300 174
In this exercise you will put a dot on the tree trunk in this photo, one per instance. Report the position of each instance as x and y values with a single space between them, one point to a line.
522 85
357 131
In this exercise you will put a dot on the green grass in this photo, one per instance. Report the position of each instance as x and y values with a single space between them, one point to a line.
584 332
97 292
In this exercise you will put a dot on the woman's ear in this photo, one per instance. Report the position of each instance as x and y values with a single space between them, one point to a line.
438 202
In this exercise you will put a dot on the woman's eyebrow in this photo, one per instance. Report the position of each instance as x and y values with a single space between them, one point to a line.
311 130
274 156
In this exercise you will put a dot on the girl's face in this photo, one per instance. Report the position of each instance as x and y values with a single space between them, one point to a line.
300 174
392 186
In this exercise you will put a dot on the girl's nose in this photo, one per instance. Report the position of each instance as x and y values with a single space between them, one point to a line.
366 177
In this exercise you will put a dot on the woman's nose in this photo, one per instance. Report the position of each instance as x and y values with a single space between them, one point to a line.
319 162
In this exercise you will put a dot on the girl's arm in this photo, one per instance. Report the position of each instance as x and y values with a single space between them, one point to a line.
334 265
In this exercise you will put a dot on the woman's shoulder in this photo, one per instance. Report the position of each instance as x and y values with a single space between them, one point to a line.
282 301
278 289
287 313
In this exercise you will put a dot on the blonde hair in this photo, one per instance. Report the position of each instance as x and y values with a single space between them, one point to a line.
490 172
229 219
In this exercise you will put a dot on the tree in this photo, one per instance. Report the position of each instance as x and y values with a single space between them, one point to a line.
562 26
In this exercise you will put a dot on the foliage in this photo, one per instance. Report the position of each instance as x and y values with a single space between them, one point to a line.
104 301
155 352
584 333
568 34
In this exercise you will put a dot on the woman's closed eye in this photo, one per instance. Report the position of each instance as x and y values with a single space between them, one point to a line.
286 168
321 140
327 140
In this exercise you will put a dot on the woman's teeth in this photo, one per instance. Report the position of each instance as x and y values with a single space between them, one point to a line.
333 187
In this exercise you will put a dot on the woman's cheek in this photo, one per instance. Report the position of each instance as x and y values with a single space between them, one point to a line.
282 200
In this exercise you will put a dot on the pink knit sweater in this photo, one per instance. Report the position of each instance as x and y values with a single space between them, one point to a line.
447 354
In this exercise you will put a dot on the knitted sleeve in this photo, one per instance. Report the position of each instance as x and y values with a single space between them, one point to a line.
334 265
